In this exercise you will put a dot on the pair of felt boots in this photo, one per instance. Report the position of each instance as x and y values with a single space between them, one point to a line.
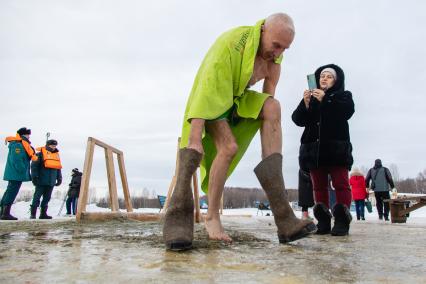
342 219
178 230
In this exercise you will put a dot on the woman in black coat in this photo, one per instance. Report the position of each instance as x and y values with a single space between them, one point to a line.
325 145
73 191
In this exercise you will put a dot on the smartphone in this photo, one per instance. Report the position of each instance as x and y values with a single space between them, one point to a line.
312 82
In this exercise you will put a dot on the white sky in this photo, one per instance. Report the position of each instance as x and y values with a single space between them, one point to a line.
121 71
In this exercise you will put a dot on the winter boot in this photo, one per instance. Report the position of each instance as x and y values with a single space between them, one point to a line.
43 213
342 219
6 213
178 230
323 215
269 173
33 211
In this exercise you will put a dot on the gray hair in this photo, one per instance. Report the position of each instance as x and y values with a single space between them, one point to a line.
283 20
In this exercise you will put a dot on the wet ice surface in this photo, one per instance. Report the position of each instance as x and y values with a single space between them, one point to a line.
131 251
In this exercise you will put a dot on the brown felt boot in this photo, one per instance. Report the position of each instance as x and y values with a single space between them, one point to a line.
178 230
290 228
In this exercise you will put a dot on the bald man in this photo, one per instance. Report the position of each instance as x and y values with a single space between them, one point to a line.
221 118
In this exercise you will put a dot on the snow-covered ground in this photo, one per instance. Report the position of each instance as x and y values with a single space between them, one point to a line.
59 251
21 211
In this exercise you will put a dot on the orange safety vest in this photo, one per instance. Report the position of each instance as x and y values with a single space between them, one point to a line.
27 146
51 160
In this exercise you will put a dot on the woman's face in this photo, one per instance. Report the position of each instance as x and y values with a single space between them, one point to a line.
326 81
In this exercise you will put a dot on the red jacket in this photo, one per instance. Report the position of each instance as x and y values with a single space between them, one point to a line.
359 191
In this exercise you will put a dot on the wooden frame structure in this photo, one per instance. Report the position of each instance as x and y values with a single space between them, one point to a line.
399 209
112 186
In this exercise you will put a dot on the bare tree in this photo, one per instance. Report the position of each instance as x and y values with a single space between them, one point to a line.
145 192
92 195
364 170
393 168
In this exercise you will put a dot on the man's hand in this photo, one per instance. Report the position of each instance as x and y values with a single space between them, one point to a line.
307 98
58 182
318 94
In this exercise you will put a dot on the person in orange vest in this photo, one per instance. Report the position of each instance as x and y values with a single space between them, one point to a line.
46 173
17 169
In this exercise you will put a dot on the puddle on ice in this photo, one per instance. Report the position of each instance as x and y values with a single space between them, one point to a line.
64 251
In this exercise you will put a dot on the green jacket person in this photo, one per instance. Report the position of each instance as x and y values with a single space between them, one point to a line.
17 169
221 118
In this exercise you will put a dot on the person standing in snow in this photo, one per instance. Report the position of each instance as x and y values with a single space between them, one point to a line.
17 169
306 195
73 191
381 184
325 146
46 173
359 192
221 118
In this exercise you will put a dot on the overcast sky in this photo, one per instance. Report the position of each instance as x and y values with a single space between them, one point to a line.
121 71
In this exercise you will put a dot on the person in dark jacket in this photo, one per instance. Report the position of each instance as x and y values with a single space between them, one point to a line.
381 183
46 173
325 145
306 195
73 191
17 169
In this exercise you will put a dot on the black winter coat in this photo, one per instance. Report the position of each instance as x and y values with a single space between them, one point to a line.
325 140
74 190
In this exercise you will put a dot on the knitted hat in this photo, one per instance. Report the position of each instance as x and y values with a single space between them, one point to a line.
51 142
330 70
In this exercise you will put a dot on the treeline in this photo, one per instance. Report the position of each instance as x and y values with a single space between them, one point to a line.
234 197
239 197
137 202
412 185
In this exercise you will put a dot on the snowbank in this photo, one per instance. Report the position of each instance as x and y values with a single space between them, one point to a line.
21 211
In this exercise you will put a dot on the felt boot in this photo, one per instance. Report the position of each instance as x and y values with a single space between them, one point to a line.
6 213
323 215
178 230
342 219
33 212
290 228
43 213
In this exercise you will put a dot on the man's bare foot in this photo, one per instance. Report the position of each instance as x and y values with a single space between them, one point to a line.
215 230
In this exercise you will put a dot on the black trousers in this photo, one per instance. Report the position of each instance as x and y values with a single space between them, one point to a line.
44 191
306 195
382 207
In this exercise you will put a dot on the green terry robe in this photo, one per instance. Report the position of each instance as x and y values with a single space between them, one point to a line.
221 83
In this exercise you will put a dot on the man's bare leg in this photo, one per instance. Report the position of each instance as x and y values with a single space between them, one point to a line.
269 174
226 150
270 130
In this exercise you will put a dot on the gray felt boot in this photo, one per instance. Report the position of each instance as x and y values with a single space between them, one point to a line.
178 230
290 228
